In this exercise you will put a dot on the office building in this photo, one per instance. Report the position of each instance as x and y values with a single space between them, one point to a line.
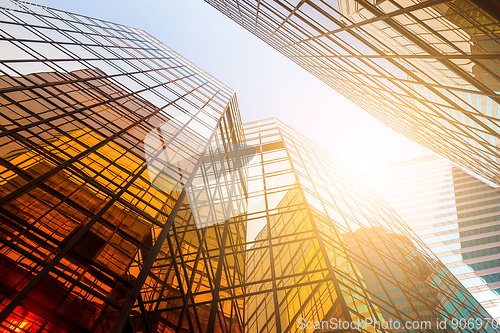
90 235
331 248
455 214
428 69
134 200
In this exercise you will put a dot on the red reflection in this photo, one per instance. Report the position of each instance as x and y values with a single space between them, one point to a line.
21 320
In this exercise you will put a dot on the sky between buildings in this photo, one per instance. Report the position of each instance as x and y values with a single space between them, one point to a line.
267 84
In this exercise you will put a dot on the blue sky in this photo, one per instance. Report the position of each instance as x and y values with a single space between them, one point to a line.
267 84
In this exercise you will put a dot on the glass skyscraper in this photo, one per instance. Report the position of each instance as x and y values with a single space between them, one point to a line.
90 234
132 199
323 245
428 69
455 214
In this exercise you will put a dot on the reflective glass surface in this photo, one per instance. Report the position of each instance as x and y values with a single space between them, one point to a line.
428 69
455 214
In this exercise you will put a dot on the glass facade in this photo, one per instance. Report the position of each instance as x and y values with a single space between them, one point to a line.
428 69
455 214
132 199
90 242
323 246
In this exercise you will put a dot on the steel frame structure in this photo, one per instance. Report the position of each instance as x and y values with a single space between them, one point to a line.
455 214
428 69
330 247
90 244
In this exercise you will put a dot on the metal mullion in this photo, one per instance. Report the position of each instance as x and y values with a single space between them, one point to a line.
387 257
231 281
159 282
62 49
189 282
124 313
227 222
283 288
100 187
87 25
277 213
77 80
77 171
214 308
157 301
342 70
115 229
256 293
128 74
252 249
50 41
238 8
409 56
55 17
292 12
269 241
239 272
29 226
22 240
366 291
84 145
61 166
292 23
151 89
297 25
163 287
32 227
57 271
257 11
281 243
376 68
16 301
303 306
57 243
398 66
80 234
380 279
181 286
253 283
213 279
55 44
284 277
64 199
317 45
458 127
85 108
435 85
72 59
397 27
158 279
451 133
303 274
333 276
96 322
110 50
144 314
352 26
119 322
445 40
